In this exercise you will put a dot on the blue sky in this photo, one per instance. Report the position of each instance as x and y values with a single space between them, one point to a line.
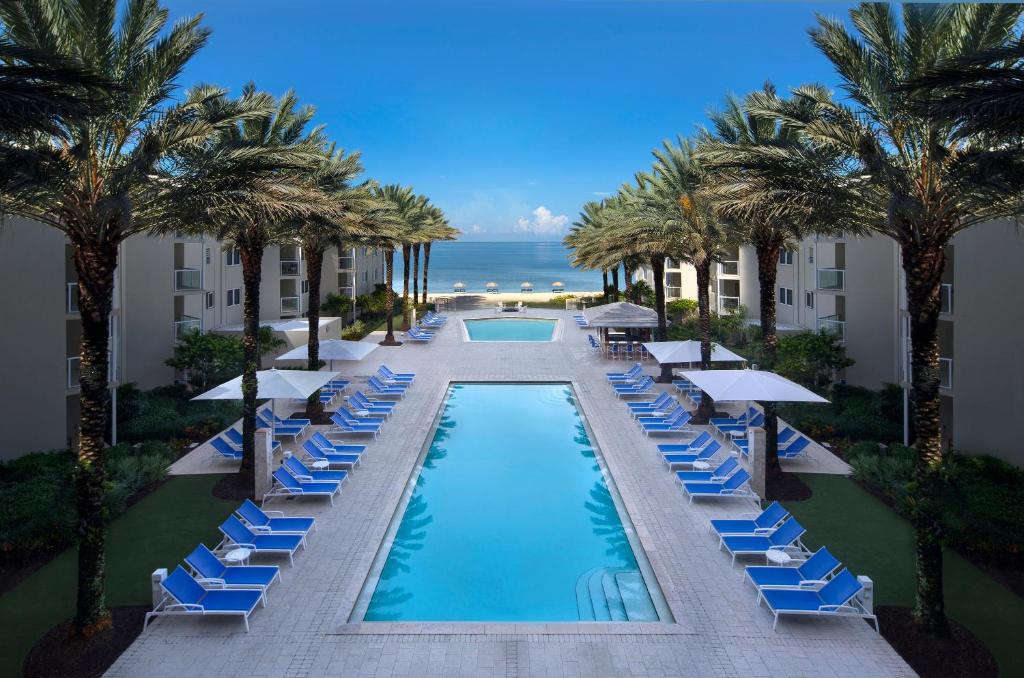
509 115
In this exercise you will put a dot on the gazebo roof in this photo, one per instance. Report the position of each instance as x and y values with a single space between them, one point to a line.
621 314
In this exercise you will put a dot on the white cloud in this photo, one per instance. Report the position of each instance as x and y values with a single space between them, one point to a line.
542 222
475 228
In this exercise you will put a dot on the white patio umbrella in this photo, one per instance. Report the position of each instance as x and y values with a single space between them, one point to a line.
331 350
273 384
681 352
751 385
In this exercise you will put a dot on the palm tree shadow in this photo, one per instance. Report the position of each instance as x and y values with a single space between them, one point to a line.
607 524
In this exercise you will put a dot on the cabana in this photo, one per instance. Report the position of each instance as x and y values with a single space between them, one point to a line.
637 321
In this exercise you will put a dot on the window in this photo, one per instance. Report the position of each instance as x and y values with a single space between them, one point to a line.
234 297
232 257
809 299
210 300
810 254
305 287
786 257
785 296
207 255
366 276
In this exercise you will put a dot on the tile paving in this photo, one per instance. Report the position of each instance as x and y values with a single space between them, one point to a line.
306 631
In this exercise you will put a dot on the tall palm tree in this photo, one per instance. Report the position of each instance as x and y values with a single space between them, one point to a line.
439 229
904 175
248 185
84 181
403 212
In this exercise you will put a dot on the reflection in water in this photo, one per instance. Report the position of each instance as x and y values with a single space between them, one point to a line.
409 537
607 525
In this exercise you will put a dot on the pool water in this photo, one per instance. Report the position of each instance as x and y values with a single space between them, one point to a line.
510 329
511 520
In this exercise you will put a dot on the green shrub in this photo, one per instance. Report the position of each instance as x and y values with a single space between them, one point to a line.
853 414
682 308
355 331
167 413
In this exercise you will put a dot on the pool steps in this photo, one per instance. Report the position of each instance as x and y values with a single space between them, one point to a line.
613 594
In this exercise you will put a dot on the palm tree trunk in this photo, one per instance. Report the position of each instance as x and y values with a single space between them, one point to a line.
661 332
615 283
426 265
923 268
706 409
767 269
604 285
389 273
95 264
406 253
252 263
314 269
416 273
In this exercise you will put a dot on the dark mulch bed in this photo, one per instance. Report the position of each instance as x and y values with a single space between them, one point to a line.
960 655
233 487
789 487
58 654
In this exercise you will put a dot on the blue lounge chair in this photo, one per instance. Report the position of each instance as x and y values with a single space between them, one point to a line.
379 388
303 473
224 449
786 537
785 442
756 420
663 402
274 522
672 414
723 471
642 387
331 447
318 454
364 407
369 418
287 431
742 419
208 568
418 335
837 598
278 421
236 534
794 449
705 454
632 374
188 598
733 486
385 371
686 448
343 425
813 572
680 422
765 521
235 438
286 485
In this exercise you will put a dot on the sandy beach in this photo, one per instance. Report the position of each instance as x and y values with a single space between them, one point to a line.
524 297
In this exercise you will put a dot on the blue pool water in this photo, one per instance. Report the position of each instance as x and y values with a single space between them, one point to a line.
511 520
510 329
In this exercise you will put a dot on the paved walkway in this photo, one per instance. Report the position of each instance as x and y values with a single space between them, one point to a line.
305 630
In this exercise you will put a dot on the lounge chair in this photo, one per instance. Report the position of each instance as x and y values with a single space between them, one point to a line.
673 414
785 442
192 599
331 447
742 419
211 570
662 403
235 438
786 537
686 448
721 472
756 420
418 335
678 423
318 454
704 454
385 371
287 431
274 522
837 598
632 374
363 406
303 473
224 449
642 387
813 572
287 485
733 486
278 421
377 387
344 425
763 522
795 448
236 534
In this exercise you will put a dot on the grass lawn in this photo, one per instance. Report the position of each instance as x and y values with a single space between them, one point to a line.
156 532
872 539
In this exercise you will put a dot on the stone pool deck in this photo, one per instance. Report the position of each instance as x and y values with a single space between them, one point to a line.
305 630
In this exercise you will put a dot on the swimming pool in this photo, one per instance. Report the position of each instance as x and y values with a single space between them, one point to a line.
510 519
510 329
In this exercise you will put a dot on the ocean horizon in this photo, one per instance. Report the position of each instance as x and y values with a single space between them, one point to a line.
507 263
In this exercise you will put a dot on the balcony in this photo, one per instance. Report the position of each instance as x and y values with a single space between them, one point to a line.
185 325
834 325
289 268
729 268
831 279
946 373
290 305
946 299
72 297
728 304
188 280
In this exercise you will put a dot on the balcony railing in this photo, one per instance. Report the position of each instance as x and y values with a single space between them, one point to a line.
834 325
729 268
945 373
728 304
946 298
185 325
289 304
72 297
188 280
831 279
289 268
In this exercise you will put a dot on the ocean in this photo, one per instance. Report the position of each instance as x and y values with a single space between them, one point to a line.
507 263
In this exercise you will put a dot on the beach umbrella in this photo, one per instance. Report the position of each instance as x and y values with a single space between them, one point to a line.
757 385
556 286
682 352
459 287
492 286
526 286
331 350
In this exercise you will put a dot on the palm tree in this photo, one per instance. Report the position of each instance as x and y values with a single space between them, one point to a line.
439 229
904 175
249 185
84 181
402 206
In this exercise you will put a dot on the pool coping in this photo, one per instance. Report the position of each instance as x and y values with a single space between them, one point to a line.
556 332
355 624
